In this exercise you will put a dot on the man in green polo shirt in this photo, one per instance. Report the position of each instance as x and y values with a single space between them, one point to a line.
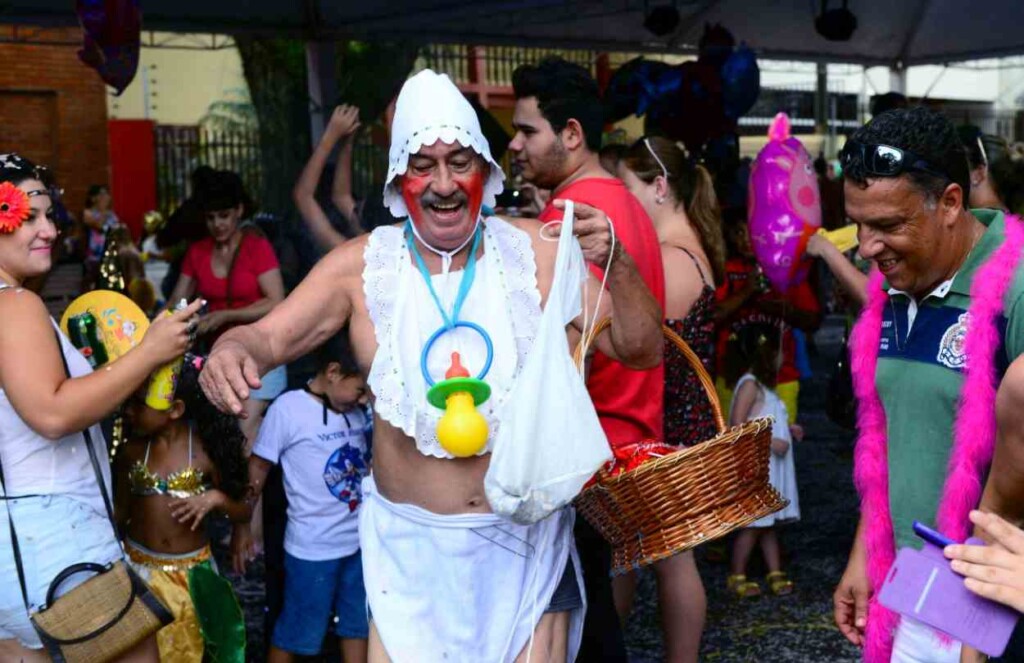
906 186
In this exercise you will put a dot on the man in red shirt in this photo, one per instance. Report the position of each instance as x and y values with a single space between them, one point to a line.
558 121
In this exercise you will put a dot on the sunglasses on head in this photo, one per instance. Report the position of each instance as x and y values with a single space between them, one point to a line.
886 160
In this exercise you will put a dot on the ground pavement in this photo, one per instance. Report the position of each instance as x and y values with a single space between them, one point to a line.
797 627
771 629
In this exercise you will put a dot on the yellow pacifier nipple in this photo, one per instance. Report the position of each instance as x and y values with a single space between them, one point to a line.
462 431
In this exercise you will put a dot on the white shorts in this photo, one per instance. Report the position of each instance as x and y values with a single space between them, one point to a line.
918 643
54 532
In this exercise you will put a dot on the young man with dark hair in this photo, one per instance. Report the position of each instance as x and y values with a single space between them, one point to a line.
930 350
558 121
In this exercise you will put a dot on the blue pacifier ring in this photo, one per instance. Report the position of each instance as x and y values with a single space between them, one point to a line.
441 332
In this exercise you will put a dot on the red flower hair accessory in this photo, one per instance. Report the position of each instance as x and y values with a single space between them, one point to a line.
14 208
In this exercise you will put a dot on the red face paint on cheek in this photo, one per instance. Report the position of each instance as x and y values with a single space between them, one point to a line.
412 189
473 185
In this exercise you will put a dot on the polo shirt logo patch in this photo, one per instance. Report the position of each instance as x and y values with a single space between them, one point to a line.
951 347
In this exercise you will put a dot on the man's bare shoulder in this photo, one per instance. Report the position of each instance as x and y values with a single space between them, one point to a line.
545 246
530 226
347 259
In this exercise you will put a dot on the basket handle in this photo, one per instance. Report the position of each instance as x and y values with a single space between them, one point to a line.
134 590
691 357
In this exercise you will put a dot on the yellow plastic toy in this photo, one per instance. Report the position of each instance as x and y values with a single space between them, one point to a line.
120 322
844 238
462 431
164 382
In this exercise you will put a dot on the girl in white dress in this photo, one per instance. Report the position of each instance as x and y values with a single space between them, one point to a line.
759 349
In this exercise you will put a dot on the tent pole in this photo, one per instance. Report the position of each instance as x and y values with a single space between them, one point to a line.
322 86
821 100
898 78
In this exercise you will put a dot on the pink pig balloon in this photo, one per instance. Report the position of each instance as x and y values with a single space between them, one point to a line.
783 206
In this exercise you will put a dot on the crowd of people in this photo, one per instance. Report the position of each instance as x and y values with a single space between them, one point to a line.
390 543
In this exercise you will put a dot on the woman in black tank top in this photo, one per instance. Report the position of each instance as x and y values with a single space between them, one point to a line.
679 197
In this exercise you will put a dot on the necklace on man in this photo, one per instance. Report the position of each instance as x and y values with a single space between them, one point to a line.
462 431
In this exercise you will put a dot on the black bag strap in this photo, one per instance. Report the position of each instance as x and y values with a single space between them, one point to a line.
92 451
94 461
14 540
10 521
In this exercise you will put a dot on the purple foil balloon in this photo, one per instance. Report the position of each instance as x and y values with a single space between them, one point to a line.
111 38
783 206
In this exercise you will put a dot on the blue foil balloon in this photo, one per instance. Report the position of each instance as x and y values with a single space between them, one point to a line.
741 82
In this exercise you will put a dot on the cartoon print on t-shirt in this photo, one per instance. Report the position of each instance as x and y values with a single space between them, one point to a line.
344 474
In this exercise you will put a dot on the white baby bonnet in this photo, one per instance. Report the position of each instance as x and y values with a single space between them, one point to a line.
430 108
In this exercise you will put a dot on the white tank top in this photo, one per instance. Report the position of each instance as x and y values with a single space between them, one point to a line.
504 300
34 465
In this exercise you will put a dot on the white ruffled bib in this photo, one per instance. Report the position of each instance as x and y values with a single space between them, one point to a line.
504 300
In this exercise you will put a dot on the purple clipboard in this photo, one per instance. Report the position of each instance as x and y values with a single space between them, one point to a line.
922 586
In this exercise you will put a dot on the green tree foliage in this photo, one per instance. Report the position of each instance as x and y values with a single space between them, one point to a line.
275 70
233 114
369 74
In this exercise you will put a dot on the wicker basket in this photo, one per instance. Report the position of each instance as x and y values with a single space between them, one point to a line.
674 503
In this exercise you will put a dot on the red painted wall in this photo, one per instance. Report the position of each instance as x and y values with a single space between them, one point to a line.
133 170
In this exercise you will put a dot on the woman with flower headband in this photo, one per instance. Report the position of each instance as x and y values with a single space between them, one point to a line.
50 489
183 464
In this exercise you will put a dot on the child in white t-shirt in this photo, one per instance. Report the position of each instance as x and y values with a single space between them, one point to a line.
320 437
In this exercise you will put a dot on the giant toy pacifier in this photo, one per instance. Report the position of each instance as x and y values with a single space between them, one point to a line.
462 431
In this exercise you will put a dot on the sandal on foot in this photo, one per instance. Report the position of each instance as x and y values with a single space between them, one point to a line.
779 583
743 588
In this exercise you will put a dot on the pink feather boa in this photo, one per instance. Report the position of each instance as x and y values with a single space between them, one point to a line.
974 431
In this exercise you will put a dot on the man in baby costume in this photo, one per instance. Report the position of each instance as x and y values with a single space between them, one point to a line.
446 579
944 318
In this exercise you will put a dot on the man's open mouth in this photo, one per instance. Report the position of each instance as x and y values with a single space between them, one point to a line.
447 209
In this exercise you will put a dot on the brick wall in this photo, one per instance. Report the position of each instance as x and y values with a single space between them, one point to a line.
53 110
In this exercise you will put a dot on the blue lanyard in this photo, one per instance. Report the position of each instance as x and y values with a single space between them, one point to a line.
468 274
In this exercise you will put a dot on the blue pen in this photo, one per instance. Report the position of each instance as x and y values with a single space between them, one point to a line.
931 536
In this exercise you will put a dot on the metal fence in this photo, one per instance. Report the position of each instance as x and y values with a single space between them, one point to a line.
369 166
496 63
842 112
181 149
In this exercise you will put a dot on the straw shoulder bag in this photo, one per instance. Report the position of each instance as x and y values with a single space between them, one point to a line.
105 616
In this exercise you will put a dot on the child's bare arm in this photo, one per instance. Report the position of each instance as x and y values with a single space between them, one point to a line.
240 510
194 509
743 402
779 446
237 511
259 468
241 535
